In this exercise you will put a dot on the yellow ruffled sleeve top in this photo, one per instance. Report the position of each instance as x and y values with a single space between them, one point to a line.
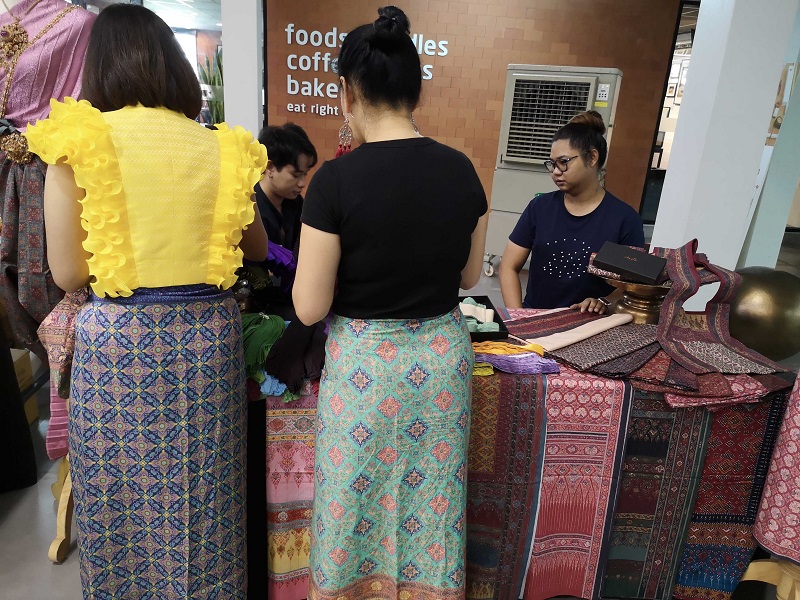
166 199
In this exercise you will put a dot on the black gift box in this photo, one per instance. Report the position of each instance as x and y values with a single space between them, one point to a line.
632 265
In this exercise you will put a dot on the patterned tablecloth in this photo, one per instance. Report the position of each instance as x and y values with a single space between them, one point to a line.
290 492
512 457
506 450
577 486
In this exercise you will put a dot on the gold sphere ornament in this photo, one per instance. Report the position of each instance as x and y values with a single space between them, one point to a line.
765 314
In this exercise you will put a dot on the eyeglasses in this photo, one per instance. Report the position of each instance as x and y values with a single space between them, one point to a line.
561 163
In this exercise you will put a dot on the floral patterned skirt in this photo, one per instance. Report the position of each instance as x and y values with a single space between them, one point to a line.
392 431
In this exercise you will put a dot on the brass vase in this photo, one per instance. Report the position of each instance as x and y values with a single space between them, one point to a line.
641 301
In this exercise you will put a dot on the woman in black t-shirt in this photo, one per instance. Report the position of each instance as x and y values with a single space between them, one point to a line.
393 412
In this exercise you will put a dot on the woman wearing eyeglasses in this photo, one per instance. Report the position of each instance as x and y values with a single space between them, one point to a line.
561 229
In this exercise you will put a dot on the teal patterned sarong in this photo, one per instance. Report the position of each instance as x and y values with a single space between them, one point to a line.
392 431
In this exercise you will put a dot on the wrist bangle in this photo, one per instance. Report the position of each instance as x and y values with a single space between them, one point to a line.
604 301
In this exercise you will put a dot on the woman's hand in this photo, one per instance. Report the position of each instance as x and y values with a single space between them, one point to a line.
597 305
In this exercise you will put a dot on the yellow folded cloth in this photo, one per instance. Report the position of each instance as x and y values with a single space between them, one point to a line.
780 573
482 369
505 348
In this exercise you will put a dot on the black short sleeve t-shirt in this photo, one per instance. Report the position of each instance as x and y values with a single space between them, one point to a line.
405 211
561 244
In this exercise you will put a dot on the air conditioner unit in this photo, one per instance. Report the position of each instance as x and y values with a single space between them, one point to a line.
539 100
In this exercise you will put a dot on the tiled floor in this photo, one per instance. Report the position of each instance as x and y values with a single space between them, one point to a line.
27 526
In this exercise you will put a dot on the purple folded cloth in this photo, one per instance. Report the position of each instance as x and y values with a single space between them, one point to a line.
281 256
521 364
282 263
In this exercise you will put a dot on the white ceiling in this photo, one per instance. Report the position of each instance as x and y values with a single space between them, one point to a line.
188 14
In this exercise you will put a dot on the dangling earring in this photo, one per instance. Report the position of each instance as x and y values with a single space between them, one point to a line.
413 124
345 138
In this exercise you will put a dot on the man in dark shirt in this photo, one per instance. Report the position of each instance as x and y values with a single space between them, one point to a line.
291 155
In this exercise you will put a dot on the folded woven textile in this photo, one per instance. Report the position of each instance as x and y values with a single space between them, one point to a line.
496 347
470 308
703 344
482 369
653 371
606 345
711 385
571 337
625 365
744 389
522 324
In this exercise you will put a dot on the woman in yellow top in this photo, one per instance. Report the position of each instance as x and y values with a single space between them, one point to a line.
154 212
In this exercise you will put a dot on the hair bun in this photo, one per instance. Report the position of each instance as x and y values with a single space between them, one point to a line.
391 27
592 119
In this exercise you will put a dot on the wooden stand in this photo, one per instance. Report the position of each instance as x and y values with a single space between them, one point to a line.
62 490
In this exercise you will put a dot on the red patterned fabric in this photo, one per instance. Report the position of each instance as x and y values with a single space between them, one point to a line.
720 541
709 348
777 526
505 460
587 418
653 371
743 389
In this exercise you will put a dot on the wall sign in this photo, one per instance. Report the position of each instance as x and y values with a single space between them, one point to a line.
311 78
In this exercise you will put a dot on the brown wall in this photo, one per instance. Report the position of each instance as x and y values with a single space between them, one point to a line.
207 42
462 104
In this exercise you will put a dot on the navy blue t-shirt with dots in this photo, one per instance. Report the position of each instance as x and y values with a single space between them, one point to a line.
561 243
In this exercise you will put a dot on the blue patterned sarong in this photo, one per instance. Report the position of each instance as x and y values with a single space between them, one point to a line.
157 445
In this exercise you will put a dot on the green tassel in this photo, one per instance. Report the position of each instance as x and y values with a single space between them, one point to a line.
259 333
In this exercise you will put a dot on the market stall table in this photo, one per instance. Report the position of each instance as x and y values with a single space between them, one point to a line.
577 486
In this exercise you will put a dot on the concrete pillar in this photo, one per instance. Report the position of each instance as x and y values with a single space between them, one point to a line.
243 63
763 241
737 57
